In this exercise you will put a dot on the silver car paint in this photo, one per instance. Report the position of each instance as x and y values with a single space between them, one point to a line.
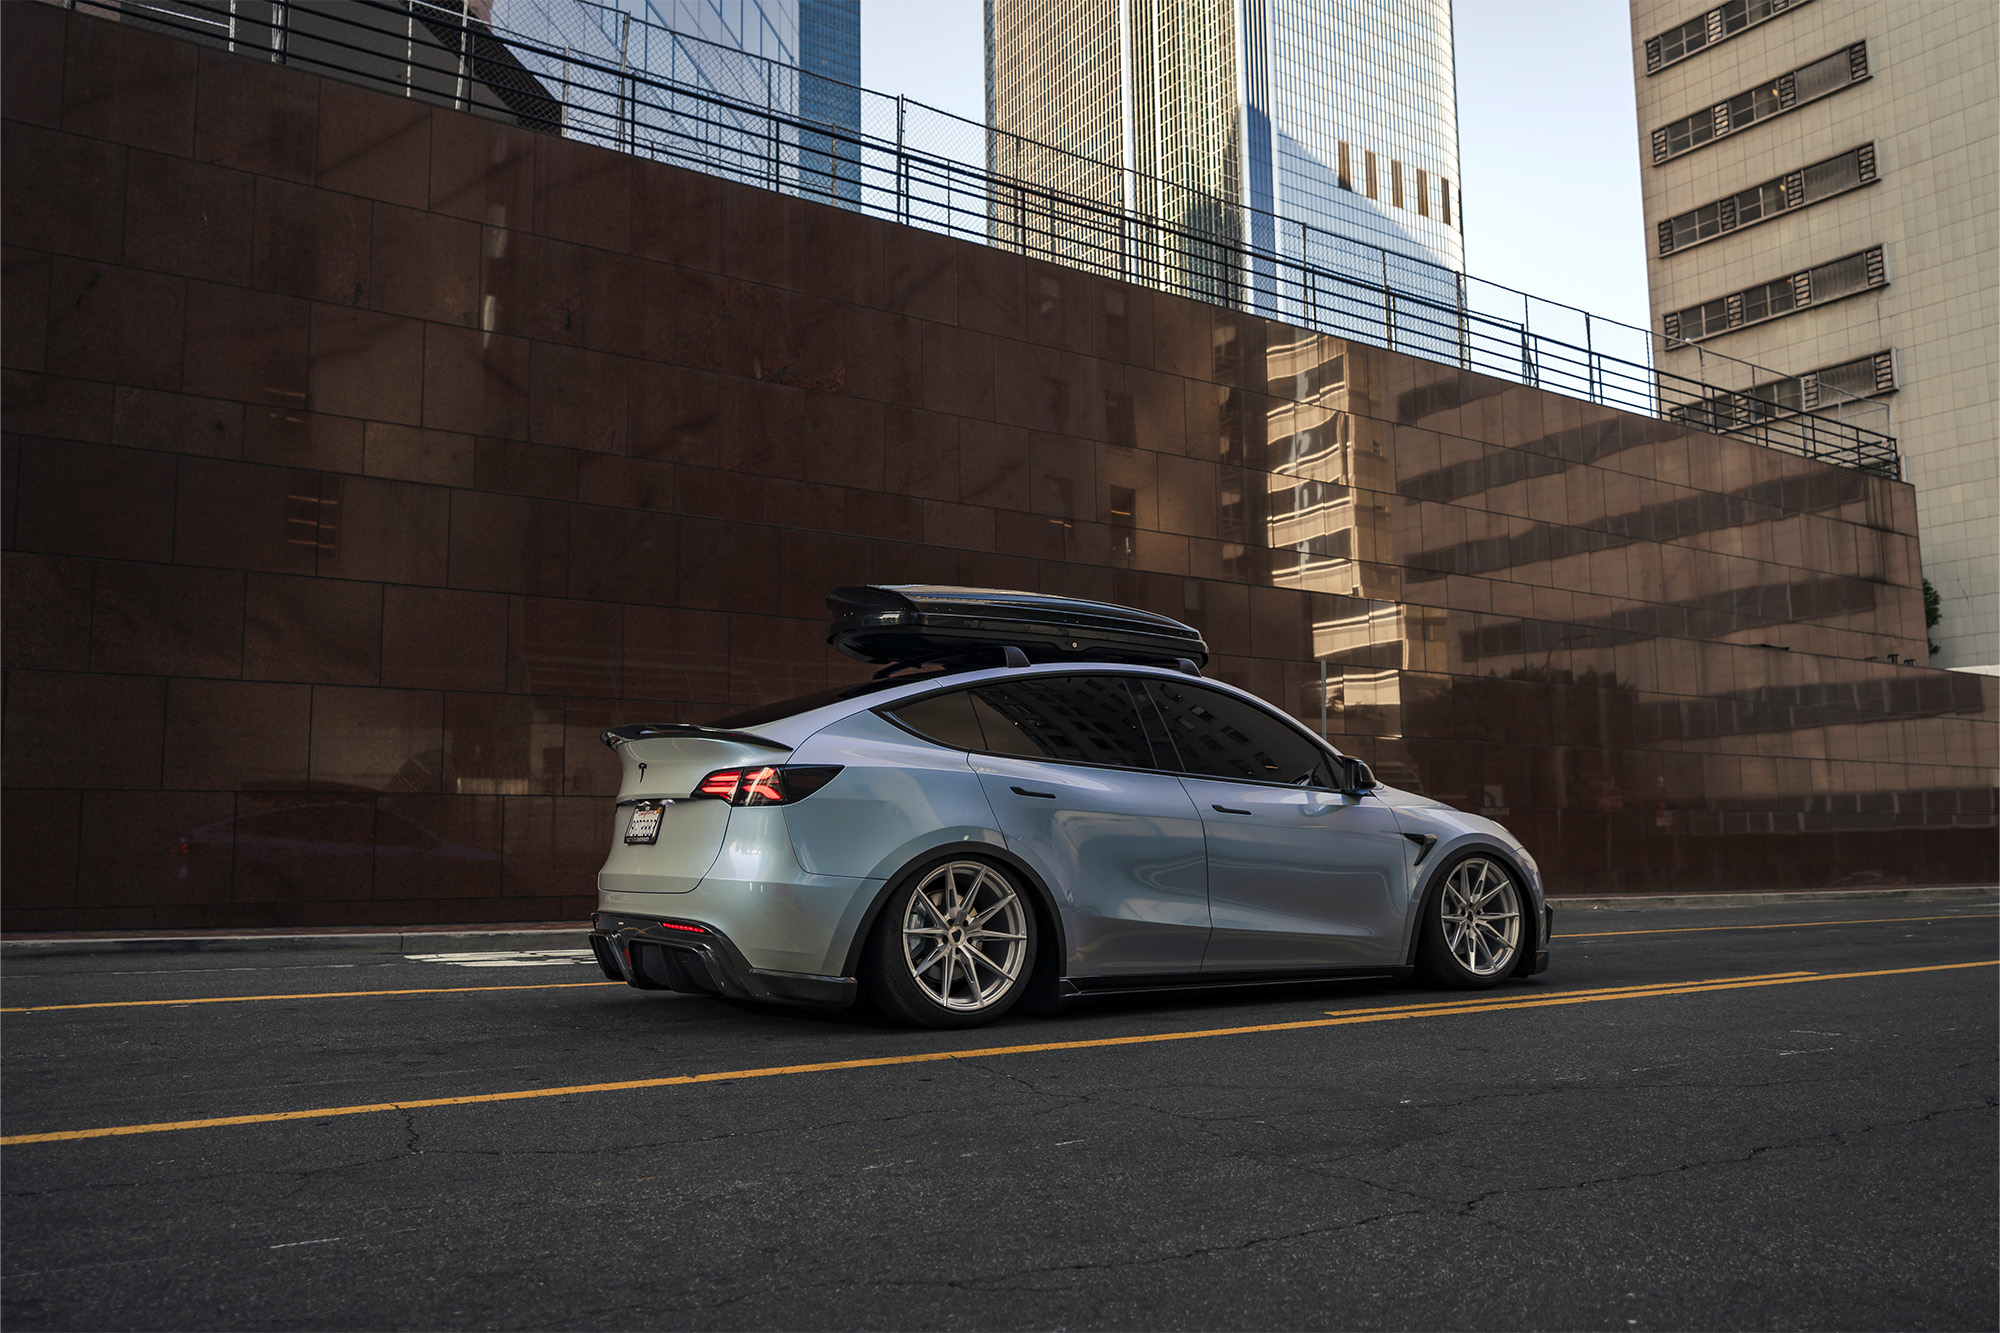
691 831
1121 850
1302 878
1128 869
897 798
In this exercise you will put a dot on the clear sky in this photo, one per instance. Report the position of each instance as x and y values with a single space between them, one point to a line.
1551 164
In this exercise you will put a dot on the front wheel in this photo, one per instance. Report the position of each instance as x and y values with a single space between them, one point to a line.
953 947
1472 926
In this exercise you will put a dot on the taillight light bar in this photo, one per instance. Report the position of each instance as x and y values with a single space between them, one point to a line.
773 784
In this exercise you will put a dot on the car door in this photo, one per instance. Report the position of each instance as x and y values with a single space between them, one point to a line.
1079 794
1300 876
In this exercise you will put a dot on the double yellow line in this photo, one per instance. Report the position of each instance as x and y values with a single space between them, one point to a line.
1338 1018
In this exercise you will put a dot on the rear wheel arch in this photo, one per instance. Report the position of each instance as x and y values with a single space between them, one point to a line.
1048 920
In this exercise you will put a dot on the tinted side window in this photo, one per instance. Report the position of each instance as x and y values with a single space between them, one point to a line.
1221 736
944 718
1088 718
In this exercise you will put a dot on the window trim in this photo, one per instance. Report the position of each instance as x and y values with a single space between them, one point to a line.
1859 71
1878 272
884 712
1707 413
1712 19
1868 172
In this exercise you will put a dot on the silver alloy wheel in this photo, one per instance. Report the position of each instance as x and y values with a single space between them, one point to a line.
1481 914
965 935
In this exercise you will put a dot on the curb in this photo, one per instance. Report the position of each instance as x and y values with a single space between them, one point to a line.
430 941
1923 893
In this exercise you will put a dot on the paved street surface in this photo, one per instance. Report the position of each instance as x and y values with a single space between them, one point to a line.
1815 1150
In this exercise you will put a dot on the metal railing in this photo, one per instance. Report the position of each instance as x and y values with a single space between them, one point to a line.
603 75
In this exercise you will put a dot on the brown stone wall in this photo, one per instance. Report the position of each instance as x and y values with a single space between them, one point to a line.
365 460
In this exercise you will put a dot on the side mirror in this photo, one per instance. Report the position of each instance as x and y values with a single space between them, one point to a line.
1356 777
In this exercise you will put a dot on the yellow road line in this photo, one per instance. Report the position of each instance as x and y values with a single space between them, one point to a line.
1781 925
929 1057
572 985
310 995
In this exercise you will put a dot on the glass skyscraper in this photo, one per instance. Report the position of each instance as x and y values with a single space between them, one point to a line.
800 58
1194 130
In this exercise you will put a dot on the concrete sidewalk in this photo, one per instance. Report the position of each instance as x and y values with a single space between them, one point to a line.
570 935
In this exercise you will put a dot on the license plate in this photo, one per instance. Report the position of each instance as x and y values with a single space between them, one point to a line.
645 825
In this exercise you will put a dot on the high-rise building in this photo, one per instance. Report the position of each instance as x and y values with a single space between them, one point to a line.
800 58
1822 193
1179 139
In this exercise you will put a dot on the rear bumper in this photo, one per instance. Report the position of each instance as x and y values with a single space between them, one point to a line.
695 959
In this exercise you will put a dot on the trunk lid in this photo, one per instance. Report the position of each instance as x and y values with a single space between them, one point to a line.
662 766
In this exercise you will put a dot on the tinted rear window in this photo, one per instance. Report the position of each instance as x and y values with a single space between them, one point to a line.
945 718
1091 719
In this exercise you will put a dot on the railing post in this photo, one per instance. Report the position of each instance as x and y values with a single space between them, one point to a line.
902 177
1388 302
1464 346
1590 362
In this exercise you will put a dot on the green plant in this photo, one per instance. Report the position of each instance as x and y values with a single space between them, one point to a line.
1931 613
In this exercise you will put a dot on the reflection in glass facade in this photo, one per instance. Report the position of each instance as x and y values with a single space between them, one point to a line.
1677 661
724 45
1320 131
333 667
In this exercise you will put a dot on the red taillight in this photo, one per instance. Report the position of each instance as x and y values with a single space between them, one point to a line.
180 848
770 785
676 925
721 784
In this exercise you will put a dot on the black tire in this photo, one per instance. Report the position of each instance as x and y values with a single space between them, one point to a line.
938 926
1476 923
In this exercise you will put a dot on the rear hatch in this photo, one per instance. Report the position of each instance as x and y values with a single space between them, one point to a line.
663 767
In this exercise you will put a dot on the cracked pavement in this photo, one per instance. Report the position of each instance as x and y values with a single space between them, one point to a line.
1814 1156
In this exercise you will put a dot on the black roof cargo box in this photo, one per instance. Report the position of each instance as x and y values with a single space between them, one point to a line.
916 622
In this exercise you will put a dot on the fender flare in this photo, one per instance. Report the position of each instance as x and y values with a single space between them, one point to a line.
1429 887
970 851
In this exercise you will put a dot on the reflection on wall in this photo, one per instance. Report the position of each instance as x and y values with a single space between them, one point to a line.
326 565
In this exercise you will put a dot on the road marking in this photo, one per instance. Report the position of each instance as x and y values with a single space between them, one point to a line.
310 995
1781 925
507 958
986 1053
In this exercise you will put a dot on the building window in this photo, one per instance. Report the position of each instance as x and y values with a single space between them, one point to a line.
1793 190
1808 83
1717 25
1817 390
1854 273
1444 200
1423 192
1346 172
1368 167
1396 183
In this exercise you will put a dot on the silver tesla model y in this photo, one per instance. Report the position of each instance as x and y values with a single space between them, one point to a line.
1037 798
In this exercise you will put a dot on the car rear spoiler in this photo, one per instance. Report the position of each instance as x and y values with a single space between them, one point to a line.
639 731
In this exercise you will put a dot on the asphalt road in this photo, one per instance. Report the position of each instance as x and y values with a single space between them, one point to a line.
1816 1150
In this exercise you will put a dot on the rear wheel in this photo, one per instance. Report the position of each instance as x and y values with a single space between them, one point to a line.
953 947
1472 926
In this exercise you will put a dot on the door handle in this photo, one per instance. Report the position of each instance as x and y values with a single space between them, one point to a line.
1227 811
1023 791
